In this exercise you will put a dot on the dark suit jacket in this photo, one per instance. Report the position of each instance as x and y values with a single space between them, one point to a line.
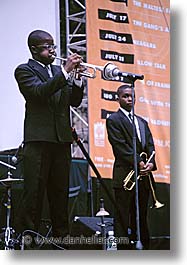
48 100
120 135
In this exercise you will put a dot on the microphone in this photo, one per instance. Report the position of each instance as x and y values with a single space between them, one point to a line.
111 71
15 156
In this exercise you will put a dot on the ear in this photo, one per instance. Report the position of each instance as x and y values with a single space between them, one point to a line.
117 98
34 49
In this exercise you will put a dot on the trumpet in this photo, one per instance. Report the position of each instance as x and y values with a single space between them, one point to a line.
109 71
88 74
129 183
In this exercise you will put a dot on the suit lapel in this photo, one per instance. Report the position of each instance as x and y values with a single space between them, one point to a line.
126 123
54 69
57 95
44 76
41 71
128 127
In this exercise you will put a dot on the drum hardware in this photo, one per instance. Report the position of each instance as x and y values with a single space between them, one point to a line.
7 182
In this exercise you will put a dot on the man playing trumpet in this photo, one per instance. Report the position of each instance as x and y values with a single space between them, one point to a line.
47 132
120 135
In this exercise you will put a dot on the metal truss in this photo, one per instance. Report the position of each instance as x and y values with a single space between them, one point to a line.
75 12
75 27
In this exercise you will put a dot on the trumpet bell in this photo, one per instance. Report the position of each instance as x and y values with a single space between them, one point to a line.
157 205
108 71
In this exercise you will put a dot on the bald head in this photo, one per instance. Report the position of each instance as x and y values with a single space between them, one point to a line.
38 37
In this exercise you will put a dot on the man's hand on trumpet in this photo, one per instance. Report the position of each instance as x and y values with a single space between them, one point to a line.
73 61
145 169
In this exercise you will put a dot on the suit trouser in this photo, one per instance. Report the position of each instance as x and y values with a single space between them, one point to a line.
46 168
127 207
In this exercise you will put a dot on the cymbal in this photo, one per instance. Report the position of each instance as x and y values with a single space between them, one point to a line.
10 180
8 152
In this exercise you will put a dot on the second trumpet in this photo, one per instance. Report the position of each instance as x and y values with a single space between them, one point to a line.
129 183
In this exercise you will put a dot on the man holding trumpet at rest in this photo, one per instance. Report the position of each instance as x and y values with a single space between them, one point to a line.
47 132
120 135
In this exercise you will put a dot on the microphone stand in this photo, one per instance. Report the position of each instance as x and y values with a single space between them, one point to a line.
110 71
139 245
102 213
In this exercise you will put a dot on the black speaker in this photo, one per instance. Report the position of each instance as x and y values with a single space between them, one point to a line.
86 232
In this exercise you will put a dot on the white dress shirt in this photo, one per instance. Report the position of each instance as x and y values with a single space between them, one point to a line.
66 75
135 122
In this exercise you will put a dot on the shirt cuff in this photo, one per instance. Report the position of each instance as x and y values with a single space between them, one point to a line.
78 82
64 72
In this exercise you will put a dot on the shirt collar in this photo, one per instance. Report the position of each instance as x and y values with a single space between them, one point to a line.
43 65
125 111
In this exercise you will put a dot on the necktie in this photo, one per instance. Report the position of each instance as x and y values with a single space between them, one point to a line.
55 97
49 70
136 125
130 116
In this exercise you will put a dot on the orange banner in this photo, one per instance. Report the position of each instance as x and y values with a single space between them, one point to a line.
133 35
